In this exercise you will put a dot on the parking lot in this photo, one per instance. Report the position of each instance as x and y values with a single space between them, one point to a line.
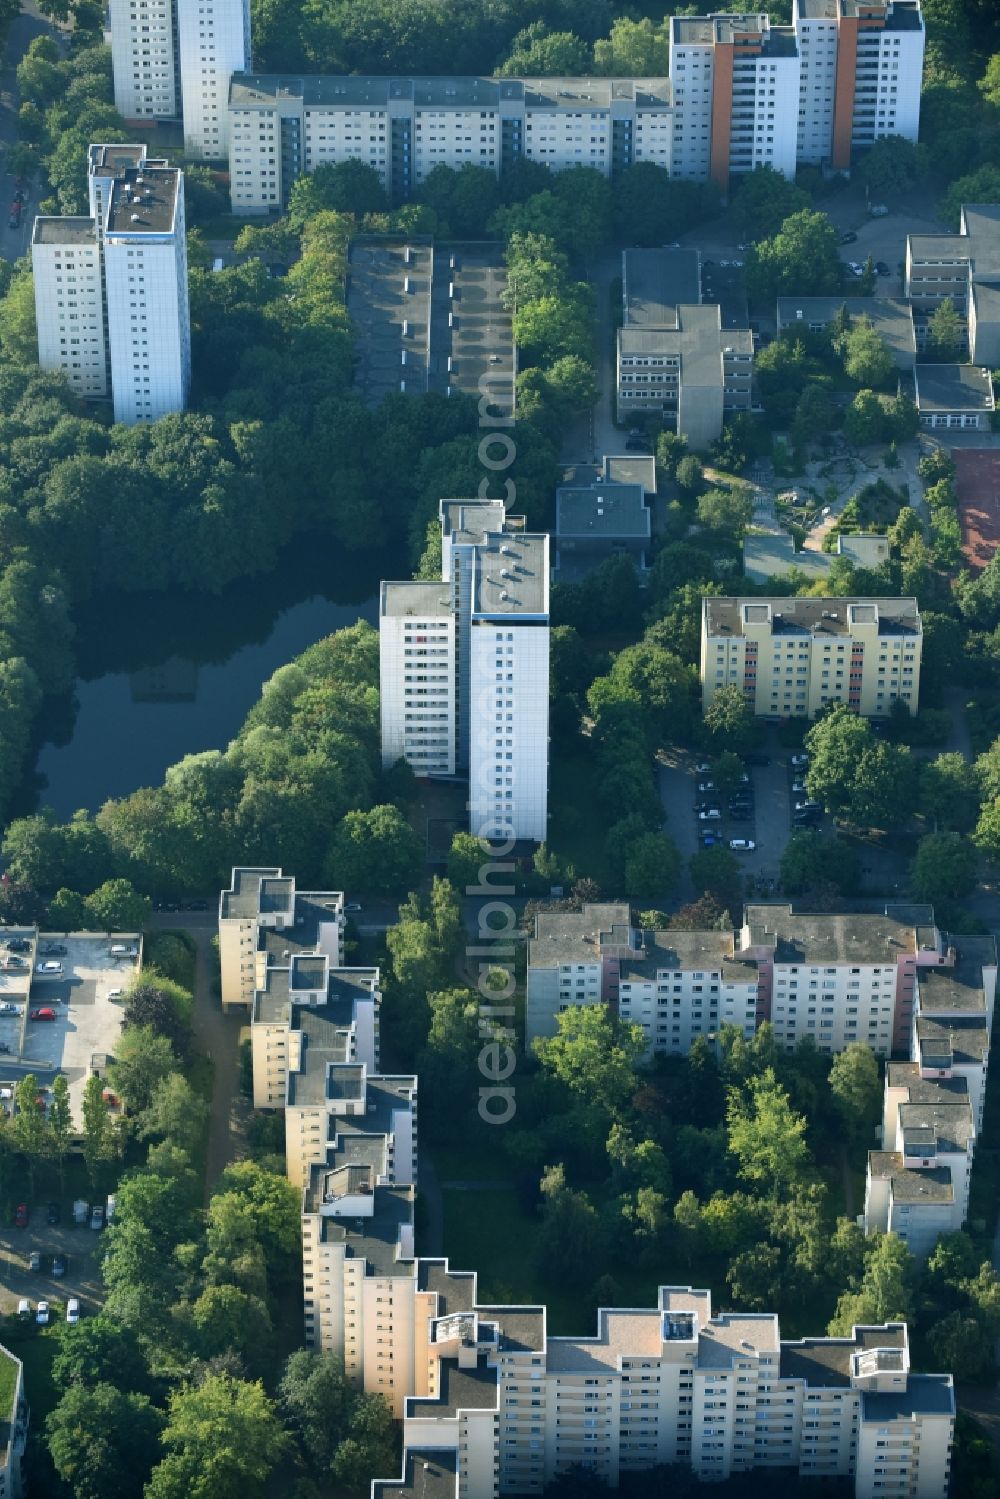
80 1248
81 994
766 818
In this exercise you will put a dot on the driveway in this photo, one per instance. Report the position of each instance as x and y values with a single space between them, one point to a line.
588 438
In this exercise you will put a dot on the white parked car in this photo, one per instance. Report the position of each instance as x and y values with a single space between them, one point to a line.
6 1008
711 814
24 1309
115 994
742 845
73 1311
49 969
800 760
42 1314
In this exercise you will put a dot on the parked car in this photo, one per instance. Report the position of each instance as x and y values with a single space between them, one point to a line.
196 905
35 1261
742 845
81 1212
45 1013
703 768
17 944
848 237
53 949
59 1264
22 1217
807 819
42 1314
111 1207
878 210
97 1217
50 968
52 1213
24 1309
881 269
15 215
708 840
353 906
6 1008
706 785
809 805
73 1310
113 995
855 269
798 787
711 814
800 759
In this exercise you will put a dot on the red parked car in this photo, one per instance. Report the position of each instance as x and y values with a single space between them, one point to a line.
15 213
45 1013
21 1215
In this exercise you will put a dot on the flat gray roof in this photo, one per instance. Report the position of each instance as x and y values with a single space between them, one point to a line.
967 1039
891 319
608 510
428 1473
926 1186
825 1363
455 1289
376 1239
458 1390
526 591
451 92
631 468
577 936
953 387
654 282
772 554
813 616
824 937
925 1394
522 1328
685 951
256 890
144 201
420 599
74 229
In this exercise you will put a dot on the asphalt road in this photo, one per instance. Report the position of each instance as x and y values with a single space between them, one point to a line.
23 29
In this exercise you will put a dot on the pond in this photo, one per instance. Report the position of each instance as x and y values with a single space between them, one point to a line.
168 674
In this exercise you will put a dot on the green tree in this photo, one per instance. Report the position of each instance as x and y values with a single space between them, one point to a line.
801 259
716 872
728 511
892 164
949 792
766 1136
350 186
965 1344
867 360
116 906
812 860
369 1447
537 52
142 1061
571 1235
27 1130
98 1130
944 867
763 201
593 1057
652 867
835 744
98 1351
730 721
67 912
634 49
376 851
230 1320
160 1005
223 1439
103 1441
865 419
174 1112
275 1204
885 1291
60 1121
316 1400
945 333
857 1089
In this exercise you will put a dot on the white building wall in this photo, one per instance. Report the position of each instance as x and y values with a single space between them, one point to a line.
149 326
255 169
691 72
69 310
333 134
569 138
653 137
817 41
899 56
909 1456
387 1312
680 1004
454 138
920 1225
214 43
509 729
835 1004
417 676
143 59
